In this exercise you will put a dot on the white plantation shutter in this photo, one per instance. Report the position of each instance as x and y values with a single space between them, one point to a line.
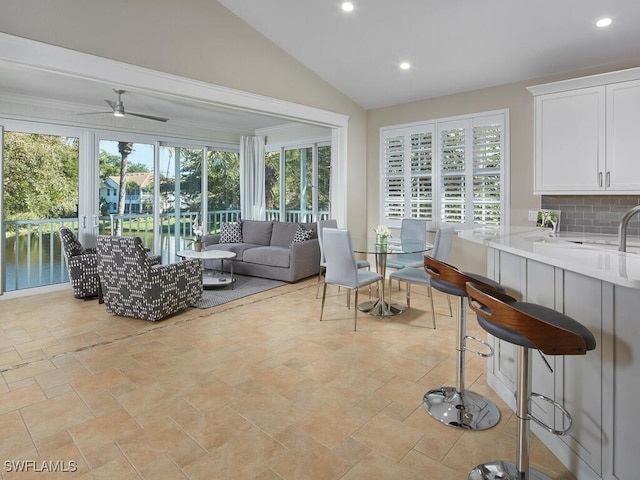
487 162
453 192
394 170
449 170
407 155
421 175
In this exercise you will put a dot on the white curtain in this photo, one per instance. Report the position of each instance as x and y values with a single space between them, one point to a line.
252 198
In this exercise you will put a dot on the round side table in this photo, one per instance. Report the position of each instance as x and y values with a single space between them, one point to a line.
209 279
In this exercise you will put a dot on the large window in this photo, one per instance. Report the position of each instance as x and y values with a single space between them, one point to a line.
449 171
297 183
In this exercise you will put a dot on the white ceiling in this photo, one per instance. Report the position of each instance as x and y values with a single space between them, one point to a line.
77 94
453 45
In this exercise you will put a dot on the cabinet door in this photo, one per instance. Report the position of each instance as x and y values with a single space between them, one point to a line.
623 137
570 146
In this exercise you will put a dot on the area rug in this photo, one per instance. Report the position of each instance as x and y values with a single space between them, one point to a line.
244 286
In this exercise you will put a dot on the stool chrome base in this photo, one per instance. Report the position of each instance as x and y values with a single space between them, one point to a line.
504 471
466 410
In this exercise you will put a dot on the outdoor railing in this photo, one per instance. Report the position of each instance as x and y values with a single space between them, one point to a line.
33 254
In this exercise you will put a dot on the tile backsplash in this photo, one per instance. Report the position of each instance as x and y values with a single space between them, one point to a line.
593 213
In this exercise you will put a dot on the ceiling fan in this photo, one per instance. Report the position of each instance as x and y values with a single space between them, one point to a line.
118 109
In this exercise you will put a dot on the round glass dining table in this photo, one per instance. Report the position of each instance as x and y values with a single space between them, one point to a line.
370 246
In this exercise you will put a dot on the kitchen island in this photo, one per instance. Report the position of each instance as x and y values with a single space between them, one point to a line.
599 287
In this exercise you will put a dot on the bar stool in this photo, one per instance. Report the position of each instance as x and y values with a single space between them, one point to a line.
455 406
527 325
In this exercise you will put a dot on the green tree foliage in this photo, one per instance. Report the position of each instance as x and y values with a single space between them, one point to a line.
190 179
40 176
110 165
272 180
223 181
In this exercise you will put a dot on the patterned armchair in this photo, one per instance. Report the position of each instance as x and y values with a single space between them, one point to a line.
81 265
133 287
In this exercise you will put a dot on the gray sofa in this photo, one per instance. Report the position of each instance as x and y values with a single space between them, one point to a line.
266 250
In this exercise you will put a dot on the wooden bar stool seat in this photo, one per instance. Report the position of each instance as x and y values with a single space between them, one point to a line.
528 326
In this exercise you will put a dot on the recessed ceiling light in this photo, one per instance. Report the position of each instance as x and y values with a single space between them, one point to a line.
405 65
604 22
347 6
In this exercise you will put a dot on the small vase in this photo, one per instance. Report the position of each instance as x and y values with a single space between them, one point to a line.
197 246
381 241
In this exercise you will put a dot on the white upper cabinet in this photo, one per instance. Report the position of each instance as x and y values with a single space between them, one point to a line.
623 136
587 135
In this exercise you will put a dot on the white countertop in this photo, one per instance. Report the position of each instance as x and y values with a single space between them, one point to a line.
597 257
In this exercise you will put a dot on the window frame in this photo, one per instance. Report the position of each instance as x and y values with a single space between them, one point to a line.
436 127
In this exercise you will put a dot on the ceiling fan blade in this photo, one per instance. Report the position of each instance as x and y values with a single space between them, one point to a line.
150 117
94 113
117 109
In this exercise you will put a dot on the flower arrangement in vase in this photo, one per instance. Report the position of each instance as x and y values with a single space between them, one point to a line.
196 229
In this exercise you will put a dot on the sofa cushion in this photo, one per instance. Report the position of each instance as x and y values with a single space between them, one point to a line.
231 233
283 233
257 232
237 248
301 235
269 256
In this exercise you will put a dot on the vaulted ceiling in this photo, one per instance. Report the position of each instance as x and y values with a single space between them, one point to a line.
453 46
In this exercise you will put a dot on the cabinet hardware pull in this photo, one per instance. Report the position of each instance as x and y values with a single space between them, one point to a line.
600 179
608 179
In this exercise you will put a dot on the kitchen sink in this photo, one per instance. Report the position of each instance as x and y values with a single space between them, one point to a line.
600 243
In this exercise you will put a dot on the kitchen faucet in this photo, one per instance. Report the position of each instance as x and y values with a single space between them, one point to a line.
622 229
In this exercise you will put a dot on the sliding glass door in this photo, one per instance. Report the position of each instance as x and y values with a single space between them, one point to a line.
40 194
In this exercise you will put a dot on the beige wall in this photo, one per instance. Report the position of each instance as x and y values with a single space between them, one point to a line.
514 97
198 39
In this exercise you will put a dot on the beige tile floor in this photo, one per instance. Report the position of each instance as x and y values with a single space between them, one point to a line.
254 389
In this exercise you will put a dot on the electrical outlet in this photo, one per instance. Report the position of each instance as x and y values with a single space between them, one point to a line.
533 215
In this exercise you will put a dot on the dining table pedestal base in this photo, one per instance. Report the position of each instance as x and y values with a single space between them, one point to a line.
382 308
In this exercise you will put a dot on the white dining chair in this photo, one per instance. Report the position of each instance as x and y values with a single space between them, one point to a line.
341 268
413 229
441 249
322 224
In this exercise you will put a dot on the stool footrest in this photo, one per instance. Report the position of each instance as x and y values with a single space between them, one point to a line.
549 429
480 354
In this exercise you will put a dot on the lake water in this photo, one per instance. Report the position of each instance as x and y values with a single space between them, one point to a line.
40 261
